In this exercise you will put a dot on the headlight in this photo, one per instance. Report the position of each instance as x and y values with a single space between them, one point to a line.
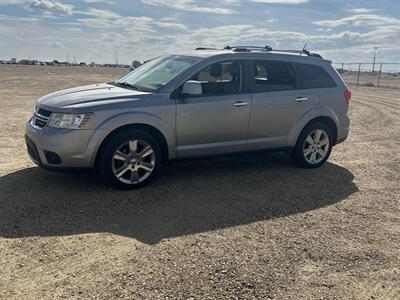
69 121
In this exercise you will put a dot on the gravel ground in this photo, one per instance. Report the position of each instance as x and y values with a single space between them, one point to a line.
248 226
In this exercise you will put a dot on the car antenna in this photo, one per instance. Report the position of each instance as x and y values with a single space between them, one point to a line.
305 51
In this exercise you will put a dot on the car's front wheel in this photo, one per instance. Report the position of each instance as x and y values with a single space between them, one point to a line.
313 146
129 159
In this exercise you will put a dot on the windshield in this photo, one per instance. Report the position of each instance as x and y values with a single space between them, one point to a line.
157 72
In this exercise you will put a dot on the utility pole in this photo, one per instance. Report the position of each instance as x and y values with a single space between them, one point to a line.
373 63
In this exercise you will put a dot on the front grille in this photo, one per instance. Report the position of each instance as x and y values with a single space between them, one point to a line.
41 117
43 112
39 121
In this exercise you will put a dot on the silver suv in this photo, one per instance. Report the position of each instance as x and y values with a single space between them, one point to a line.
206 102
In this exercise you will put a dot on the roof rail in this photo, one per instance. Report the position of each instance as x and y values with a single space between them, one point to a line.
265 49
247 48
206 48
304 51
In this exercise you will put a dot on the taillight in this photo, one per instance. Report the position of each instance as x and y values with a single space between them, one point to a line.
347 95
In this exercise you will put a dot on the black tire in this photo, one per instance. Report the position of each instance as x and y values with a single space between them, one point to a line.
105 159
298 152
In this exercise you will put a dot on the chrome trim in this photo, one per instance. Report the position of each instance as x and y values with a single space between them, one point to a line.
40 118
240 103
300 99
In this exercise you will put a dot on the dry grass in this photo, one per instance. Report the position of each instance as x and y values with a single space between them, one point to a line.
249 226
370 79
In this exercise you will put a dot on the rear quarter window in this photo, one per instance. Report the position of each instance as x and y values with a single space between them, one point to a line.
312 76
270 75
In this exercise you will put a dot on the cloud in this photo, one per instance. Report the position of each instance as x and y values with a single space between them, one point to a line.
385 37
108 19
11 2
269 1
359 20
360 10
18 19
188 5
138 33
281 1
57 45
99 1
138 25
99 13
51 6
171 25
95 33
324 29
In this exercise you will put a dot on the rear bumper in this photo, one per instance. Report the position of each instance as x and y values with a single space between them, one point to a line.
343 130
70 148
341 140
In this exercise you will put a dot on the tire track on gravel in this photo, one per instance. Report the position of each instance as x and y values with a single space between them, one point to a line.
377 117
382 106
385 102
382 113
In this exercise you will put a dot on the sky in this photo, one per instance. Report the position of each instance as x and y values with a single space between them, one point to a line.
127 30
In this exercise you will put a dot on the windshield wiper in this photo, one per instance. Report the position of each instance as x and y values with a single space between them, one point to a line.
126 84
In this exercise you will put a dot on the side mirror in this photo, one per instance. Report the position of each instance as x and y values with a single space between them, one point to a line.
192 88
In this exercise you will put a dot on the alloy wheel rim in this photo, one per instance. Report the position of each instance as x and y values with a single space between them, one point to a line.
316 146
133 161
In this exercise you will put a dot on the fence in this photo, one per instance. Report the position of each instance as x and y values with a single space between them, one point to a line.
370 74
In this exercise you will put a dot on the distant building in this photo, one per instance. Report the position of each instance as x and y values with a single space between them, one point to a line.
61 63
28 62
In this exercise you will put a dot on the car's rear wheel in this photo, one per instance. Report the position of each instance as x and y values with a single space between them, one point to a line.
313 146
129 159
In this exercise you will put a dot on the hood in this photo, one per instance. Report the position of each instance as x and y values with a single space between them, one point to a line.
84 95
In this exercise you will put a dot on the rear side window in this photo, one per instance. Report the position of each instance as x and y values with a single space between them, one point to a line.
313 77
271 76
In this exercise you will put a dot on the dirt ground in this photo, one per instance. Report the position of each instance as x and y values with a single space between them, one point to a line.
243 227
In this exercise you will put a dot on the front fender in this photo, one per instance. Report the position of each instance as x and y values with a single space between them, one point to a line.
131 118
313 113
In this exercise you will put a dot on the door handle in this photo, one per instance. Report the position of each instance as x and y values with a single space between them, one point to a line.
240 103
300 99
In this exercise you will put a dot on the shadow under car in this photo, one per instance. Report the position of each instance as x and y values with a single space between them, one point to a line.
189 197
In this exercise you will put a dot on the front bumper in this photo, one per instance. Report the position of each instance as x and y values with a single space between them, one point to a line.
75 148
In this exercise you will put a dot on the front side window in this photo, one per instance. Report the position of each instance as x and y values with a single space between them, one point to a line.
312 76
271 76
157 72
223 78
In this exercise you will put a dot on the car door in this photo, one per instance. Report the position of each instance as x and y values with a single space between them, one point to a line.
217 120
277 104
